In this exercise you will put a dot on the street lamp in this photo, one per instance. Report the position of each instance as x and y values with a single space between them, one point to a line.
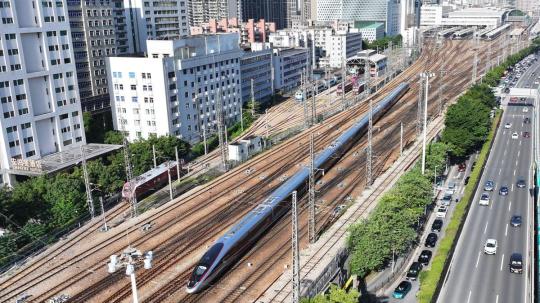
129 259
425 76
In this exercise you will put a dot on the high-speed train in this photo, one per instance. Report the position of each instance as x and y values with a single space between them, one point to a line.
241 237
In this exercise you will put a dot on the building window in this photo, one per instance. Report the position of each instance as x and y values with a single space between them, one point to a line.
133 87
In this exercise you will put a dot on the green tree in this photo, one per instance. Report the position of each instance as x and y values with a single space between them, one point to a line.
336 295
113 137
66 198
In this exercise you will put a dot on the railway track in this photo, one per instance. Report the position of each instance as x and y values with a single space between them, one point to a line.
177 207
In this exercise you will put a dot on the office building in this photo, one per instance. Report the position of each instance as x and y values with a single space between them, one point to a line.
250 31
98 31
202 11
371 30
256 69
41 110
281 12
174 90
385 11
161 20
289 64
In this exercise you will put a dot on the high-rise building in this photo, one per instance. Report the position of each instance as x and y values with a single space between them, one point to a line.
202 11
386 11
163 19
41 110
175 89
98 30
282 12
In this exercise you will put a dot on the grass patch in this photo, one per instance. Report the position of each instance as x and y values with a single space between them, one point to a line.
431 278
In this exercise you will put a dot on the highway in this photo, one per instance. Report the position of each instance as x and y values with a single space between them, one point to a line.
474 276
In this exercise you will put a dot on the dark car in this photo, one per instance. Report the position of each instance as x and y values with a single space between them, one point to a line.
516 263
515 221
503 191
466 181
437 225
462 166
425 256
414 271
526 135
526 120
431 240
521 183
402 290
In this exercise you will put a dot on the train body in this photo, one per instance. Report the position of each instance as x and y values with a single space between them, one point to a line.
230 247
150 181
347 88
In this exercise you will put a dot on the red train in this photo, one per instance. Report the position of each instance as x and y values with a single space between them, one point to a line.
150 181
348 87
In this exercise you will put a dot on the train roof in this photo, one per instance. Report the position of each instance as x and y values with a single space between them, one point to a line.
154 172
249 221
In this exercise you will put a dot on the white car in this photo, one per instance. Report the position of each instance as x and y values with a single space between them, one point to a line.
484 199
515 135
508 125
441 211
490 248
525 109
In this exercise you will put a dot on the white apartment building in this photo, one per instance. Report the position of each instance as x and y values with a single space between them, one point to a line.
151 19
41 110
433 14
330 45
174 90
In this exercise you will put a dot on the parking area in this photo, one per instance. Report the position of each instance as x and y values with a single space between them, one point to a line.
448 193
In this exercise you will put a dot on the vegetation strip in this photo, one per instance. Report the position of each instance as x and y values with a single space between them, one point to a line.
430 279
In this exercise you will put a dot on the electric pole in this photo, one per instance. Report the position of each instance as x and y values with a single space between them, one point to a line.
369 177
129 171
252 100
367 76
89 199
303 90
343 79
221 137
314 106
311 222
426 75
401 139
295 252
154 155
419 107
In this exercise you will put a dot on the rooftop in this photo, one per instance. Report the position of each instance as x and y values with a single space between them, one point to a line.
59 161
368 24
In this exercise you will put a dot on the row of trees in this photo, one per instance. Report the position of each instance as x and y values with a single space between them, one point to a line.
33 210
467 121
335 295
392 227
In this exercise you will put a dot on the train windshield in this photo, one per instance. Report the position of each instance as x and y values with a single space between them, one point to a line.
206 262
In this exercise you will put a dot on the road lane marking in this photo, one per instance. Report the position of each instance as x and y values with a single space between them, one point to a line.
478 259
502 261
512 187
497 299
485 229
509 205
519 142
514 172
500 170
517 162
469 298
504 152
519 151
506 231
